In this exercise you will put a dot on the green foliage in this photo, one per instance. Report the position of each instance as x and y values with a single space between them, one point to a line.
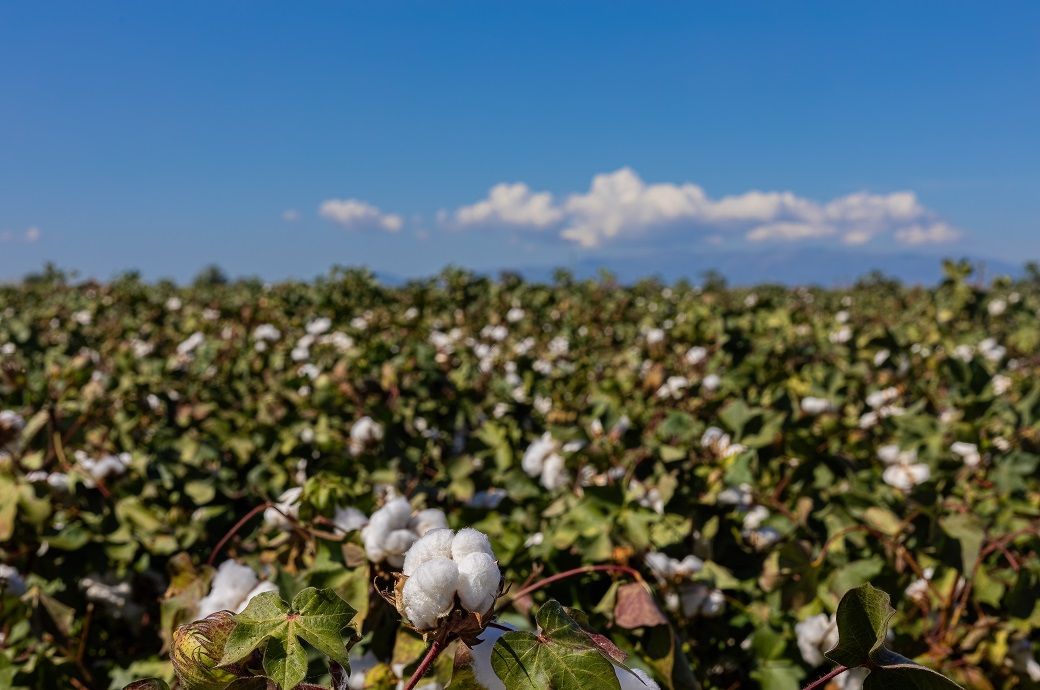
863 617
560 655
791 512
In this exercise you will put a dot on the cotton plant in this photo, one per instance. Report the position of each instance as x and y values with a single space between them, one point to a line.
102 468
232 588
393 529
673 388
446 572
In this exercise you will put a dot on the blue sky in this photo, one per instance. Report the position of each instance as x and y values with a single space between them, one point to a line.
280 138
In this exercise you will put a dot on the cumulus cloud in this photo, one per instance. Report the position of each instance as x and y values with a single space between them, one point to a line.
621 205
511 204
356 214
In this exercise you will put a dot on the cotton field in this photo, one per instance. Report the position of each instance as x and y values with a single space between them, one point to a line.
464 482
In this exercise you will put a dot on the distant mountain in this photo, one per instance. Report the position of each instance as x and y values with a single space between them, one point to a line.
790 266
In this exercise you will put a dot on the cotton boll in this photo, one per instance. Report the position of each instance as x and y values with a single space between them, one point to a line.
430 593
469 540
426 520
536 453
398 542
288 506
434 544
479 581
481 664
349 519
231 583
635 679
265 586
816 635
554 474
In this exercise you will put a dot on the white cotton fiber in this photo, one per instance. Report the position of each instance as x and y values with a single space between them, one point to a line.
426 520
434 544
232 582
554 474
288 506
469 540
349 519
481 664
636 679
430 593
265 586
399 541
478 581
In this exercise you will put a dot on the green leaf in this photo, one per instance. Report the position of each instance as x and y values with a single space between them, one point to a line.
316 615
563 656
265 616
863 617
320 618
969 532
285 662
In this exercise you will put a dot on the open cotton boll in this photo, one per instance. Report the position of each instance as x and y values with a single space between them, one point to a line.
479 581
265 586
397 544
430 593
554 474
426 520
288 506
434 544
816 635
469 540
349 519
536 453
481 655
232 582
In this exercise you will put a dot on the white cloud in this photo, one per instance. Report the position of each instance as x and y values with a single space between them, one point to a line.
620 205
290 215
788 230
355 214
30 235
511 204
927 234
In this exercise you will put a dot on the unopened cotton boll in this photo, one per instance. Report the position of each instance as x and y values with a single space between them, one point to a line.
430 593
434 544
469 540
478 582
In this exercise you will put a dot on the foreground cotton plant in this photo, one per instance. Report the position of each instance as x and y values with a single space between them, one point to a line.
446 570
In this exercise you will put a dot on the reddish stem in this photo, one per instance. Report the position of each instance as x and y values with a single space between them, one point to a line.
238 525
431 655
827 678
632 572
